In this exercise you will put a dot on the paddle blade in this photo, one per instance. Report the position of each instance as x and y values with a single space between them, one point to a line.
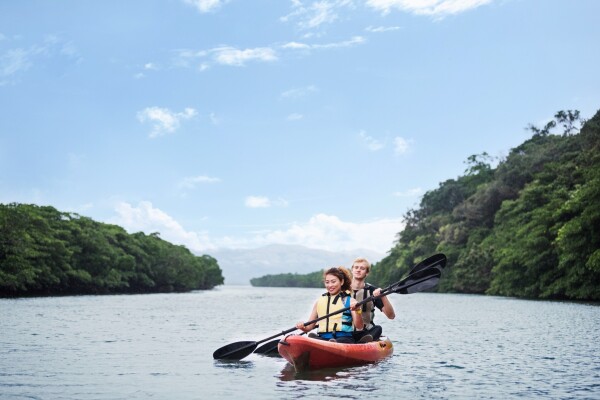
269 348
435 260
419 281
234 351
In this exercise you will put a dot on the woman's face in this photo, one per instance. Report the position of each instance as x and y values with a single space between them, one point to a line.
333 284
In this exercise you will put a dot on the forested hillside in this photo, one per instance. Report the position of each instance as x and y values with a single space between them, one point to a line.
530 227
47 252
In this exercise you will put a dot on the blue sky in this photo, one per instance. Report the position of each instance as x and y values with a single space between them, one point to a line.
237 124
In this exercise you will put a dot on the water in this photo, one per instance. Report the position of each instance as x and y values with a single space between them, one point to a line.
160 347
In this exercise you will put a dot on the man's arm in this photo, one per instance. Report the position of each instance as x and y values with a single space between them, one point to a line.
384 304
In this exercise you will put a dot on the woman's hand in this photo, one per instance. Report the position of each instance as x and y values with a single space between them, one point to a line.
300 325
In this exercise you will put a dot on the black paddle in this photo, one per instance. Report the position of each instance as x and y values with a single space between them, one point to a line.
270 348
429 261
426 277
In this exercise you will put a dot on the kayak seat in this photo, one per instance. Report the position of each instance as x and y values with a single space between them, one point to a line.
366 339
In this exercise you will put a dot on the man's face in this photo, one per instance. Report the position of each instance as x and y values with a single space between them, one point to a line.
359 270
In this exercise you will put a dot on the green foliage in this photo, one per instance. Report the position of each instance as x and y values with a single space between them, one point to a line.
578 243
314 279
528 228
47 252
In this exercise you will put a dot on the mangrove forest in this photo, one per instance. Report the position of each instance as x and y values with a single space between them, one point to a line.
46 252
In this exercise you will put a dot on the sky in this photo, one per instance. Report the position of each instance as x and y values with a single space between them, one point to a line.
235 124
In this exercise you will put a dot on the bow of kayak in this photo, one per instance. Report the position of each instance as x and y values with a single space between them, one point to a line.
309 354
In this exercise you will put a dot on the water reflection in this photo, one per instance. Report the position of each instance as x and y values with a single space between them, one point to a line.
348 383
288 373
234 364
360 374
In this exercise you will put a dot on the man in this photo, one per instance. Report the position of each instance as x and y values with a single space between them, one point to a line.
360 291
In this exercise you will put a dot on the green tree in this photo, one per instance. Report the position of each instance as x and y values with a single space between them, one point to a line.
47 252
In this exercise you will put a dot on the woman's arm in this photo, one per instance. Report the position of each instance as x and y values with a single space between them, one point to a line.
308 328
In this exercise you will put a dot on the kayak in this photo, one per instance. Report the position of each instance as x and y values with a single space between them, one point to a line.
306 353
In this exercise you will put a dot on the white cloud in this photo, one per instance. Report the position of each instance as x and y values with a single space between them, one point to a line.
294 117
214 119
356 40
14 61
322 231
257 202
316 14
148 219
237 57
382 29
414 192
223 55
436 8
347 43
296 46
264 202
328 232
401 145
149 66
232 56
164 120
185 55
299 92
371 143
186 58
68 49
205 6
18 60
192 181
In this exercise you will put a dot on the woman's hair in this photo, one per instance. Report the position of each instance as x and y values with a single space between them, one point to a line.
342 274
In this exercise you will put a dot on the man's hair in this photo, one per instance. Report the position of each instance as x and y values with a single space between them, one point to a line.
362 259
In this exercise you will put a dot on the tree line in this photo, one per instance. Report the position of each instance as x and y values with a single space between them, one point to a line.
311 280
47 252
529 227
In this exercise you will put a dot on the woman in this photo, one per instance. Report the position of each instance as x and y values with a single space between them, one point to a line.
338 327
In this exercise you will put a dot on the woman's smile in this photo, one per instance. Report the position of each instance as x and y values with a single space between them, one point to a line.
333 284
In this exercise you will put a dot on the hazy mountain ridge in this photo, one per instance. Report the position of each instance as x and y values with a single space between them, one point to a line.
240 265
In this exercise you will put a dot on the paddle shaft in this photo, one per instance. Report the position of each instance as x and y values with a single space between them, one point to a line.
370 298
242 349
271 346
384 292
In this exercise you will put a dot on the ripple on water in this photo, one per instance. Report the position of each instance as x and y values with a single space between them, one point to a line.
159 346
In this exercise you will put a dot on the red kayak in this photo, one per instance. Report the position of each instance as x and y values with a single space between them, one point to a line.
309 354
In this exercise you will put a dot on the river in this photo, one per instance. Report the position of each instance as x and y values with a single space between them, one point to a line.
160 346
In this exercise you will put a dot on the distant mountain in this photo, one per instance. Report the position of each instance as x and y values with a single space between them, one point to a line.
240 265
